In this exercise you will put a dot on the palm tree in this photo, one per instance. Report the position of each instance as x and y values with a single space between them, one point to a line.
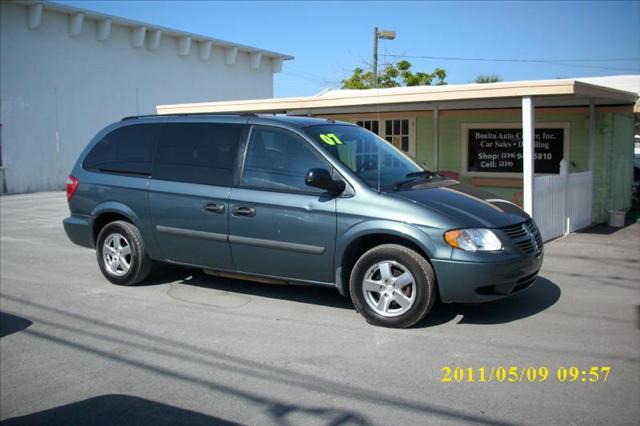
489 78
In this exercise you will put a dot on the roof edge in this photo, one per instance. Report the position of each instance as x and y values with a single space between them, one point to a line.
584 88
118 20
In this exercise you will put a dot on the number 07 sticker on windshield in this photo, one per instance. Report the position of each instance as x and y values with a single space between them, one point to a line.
331 139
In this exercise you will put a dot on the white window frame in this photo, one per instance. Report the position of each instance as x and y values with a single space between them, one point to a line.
382 130
566 149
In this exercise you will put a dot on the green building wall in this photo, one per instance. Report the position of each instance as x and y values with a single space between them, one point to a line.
613 174
614 149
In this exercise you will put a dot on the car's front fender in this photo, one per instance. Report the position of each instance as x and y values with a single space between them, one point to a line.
421 237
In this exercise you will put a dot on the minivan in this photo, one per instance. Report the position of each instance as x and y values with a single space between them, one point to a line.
296 200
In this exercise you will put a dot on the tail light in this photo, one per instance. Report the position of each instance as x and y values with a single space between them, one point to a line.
72 187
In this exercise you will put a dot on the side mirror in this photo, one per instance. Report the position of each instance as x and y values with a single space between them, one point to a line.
321 178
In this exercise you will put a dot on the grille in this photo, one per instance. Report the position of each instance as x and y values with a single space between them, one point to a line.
526 236
515 231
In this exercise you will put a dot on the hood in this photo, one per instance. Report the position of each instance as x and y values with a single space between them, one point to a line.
464 205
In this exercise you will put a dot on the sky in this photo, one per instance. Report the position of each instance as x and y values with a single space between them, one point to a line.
330 38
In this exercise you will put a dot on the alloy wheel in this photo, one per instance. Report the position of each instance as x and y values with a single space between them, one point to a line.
389 288
116 253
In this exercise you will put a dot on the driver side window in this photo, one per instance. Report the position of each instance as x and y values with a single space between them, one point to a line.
278 160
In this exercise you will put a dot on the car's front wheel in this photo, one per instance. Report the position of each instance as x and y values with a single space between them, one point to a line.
121 254
392 286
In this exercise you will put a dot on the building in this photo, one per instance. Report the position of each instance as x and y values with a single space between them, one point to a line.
488 135
66 73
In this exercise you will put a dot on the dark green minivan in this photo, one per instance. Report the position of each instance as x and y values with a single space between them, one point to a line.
295 200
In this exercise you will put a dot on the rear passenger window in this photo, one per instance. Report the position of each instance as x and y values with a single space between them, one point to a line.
203 153
277 159
125 150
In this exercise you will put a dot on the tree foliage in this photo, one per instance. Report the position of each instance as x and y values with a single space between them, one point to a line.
489 78
394 75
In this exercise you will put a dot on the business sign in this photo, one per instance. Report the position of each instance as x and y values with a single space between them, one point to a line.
500 150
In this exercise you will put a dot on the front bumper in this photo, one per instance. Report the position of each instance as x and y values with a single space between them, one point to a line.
473 282
79 230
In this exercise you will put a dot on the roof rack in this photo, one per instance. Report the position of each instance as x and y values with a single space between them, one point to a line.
184 114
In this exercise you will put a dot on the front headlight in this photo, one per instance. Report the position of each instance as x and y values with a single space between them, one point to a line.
473 239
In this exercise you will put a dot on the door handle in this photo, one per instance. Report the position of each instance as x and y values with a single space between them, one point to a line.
244 211
213 207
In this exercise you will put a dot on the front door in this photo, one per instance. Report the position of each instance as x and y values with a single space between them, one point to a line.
278 226
189 191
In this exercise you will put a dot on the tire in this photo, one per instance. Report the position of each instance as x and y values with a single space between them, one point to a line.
130 266
383 293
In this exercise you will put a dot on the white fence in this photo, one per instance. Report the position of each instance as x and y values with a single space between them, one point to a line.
579 204
562 203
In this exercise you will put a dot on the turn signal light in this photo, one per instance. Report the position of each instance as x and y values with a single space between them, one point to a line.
452 237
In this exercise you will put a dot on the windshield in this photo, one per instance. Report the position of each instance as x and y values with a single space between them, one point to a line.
378 163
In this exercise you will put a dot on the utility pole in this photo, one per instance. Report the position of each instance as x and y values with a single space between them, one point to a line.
375 57
385 35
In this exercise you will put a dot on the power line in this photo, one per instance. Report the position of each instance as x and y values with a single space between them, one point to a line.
455 58
305 75
315 80
561 62
591 66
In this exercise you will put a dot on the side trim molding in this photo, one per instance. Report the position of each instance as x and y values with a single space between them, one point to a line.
234 239
300 248
192 233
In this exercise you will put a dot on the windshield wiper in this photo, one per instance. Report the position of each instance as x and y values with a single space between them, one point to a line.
412 177
421 173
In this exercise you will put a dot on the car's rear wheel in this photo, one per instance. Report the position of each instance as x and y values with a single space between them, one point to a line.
392 286
121 254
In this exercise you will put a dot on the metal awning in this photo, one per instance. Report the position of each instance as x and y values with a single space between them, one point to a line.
462 96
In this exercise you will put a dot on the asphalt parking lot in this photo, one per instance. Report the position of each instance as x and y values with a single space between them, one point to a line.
187 348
